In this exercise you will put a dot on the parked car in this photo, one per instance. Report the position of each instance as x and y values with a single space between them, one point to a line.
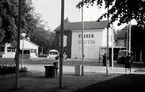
122 54
52 54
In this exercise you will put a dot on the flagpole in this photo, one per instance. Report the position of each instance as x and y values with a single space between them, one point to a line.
18 47
129 36
112 61
107 48
61 45
82 39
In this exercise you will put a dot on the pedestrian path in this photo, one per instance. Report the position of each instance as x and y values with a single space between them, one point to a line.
88 70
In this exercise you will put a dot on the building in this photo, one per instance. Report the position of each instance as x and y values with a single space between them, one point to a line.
121 36
95 40
137 35
27 47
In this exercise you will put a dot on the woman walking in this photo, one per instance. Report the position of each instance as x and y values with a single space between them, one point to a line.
127 63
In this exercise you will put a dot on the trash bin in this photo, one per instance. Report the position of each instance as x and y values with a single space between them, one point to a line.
50 71
78 70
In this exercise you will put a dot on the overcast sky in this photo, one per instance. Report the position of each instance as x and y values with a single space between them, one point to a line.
50 11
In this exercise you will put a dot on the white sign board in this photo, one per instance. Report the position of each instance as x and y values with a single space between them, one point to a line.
64 40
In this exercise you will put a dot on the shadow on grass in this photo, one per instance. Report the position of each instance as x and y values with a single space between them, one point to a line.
124 83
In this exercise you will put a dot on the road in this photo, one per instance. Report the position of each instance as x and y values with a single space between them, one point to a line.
90 66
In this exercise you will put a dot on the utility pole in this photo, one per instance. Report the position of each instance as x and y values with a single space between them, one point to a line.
61 44
82 39
18 47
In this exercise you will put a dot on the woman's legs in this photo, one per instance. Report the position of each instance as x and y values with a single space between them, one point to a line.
130 70
125 70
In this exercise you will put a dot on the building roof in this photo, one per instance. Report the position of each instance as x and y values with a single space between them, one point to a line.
87 25
30 41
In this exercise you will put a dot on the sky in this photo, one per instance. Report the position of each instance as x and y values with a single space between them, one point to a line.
50 11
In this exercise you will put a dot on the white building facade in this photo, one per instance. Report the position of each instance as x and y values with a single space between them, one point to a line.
95 37
27 48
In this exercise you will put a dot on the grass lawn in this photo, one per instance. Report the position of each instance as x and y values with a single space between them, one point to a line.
9 61
42 84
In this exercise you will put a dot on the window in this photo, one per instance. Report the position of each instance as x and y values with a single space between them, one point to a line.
26 52
33 50
53 53
10 49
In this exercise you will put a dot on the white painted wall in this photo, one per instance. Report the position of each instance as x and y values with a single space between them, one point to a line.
111 37
91 45
91 51
26 45
8 54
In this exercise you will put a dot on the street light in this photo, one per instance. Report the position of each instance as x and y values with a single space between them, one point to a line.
23 36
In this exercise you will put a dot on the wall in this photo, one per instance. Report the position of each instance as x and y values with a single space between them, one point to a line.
8 54
26 45
67 41
110 38
91 44
93 38
120 42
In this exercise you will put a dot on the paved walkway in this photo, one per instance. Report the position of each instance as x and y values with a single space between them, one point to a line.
94 80
88 70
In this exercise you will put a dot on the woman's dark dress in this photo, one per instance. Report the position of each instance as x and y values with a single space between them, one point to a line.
127 62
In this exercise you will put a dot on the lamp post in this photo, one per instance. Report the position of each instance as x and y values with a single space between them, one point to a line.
23 36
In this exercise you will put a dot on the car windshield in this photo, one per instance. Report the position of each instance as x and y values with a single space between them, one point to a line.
53 53
123 52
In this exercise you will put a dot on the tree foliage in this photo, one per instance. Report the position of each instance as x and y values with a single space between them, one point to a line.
9 19
44 38
122 10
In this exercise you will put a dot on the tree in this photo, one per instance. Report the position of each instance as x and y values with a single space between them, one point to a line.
9 19
44 38
122 10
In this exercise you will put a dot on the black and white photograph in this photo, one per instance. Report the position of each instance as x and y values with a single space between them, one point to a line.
72 45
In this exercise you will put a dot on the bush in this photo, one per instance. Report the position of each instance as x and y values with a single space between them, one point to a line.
8 69
23 69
